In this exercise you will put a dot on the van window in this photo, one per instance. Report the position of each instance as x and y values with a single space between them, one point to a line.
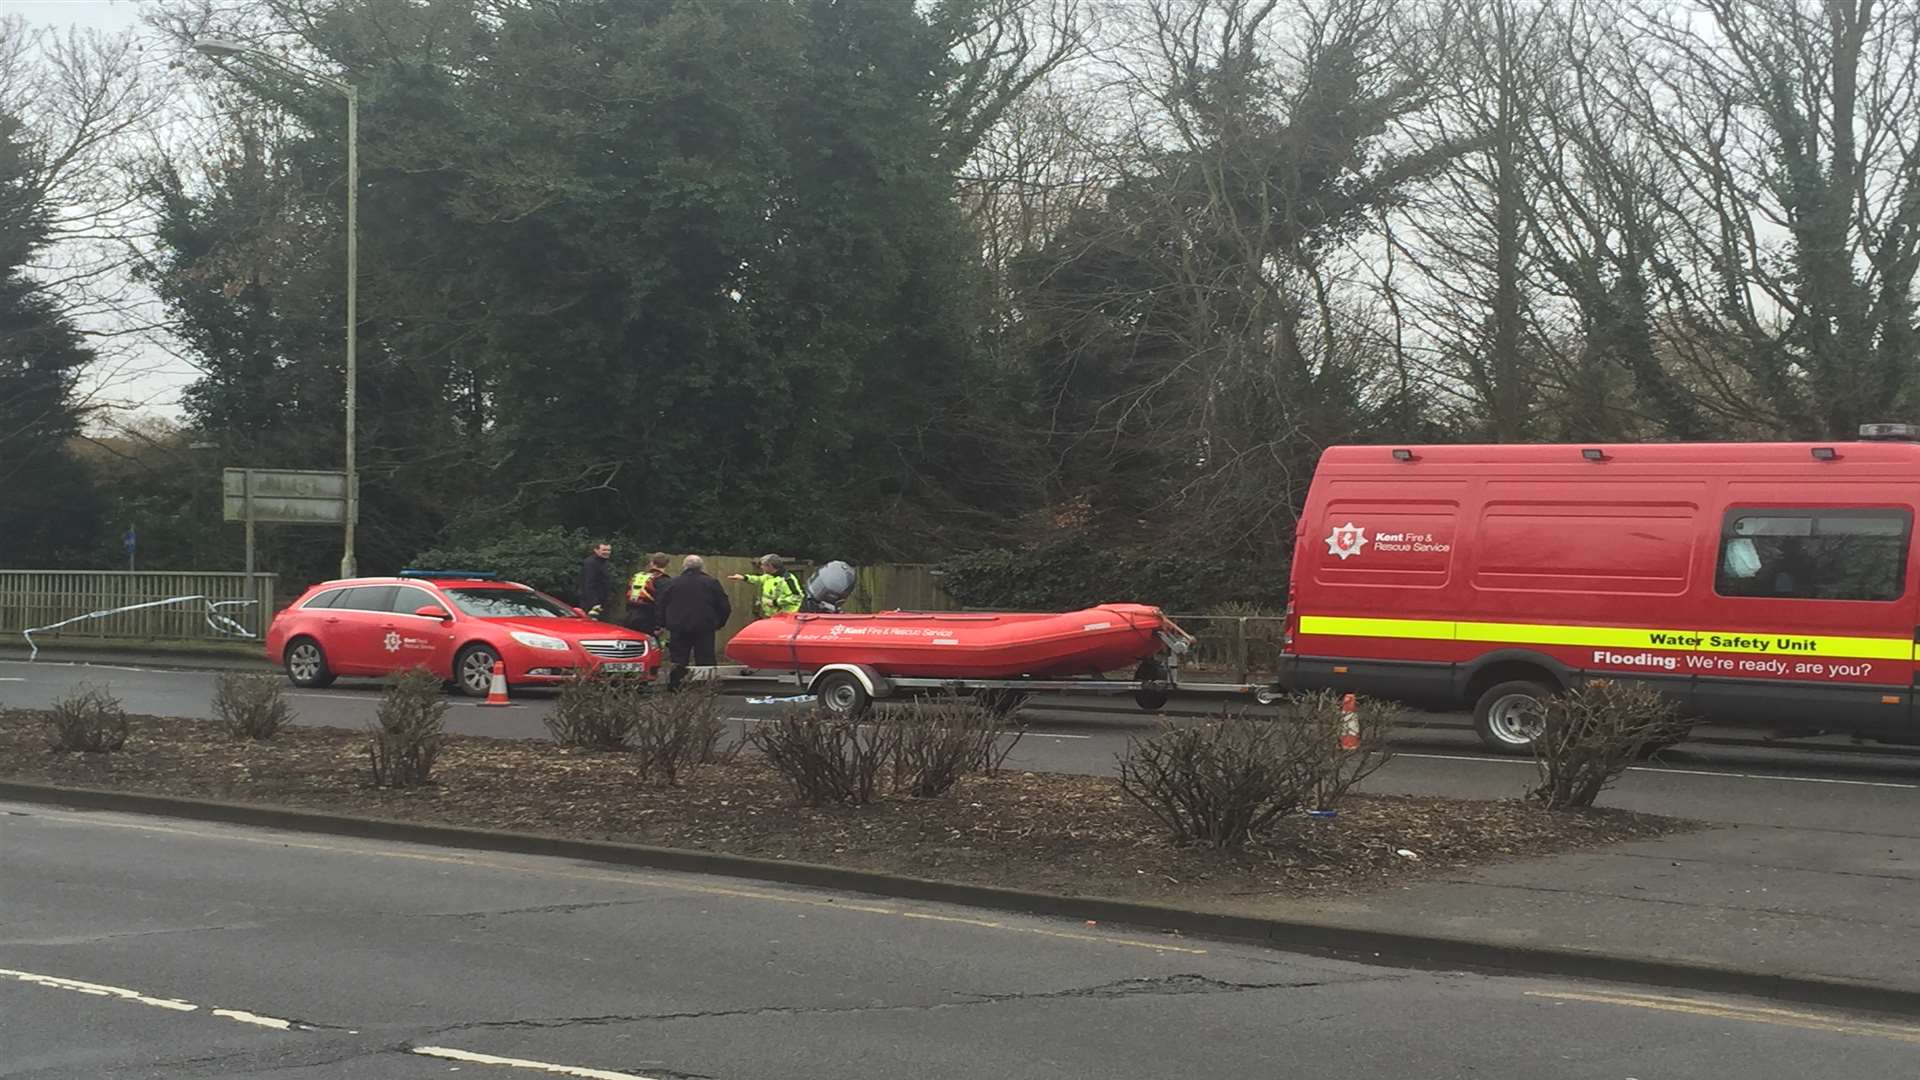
1814 554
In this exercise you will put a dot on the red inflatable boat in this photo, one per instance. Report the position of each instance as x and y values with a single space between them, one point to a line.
954 645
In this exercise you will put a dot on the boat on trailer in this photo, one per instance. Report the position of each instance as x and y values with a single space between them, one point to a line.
849 660
959 645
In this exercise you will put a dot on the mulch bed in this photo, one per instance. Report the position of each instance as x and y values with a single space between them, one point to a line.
1076 835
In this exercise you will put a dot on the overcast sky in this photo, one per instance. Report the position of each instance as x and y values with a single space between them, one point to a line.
140 379
99 14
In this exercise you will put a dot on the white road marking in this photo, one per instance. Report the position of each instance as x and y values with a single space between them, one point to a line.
256 1019
1680 772
450 1054
103 667
98 990
11 678
102 990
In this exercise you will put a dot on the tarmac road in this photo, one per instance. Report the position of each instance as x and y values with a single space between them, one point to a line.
145 947
1828 785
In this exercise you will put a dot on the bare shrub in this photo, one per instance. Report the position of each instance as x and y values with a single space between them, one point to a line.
598 711
827 759
1589 736
409 729
674 732
1320 720
1221 782
252 706
941 739
89 721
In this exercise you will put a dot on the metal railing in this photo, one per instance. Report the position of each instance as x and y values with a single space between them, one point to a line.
41 598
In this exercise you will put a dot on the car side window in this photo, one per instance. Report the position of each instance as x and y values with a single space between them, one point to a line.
324 600
407 600
1814 554
368 598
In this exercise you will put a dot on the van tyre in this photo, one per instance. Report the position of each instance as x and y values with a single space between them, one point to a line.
1508 715
306 664
843 695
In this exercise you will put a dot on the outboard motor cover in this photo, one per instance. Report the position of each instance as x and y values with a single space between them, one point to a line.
831 585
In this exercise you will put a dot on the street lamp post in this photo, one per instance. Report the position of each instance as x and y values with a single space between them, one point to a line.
218 48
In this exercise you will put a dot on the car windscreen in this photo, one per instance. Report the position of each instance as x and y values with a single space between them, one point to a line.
507 604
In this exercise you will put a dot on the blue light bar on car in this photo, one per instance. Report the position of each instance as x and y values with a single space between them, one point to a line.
468 575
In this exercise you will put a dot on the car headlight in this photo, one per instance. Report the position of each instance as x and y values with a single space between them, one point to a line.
539 641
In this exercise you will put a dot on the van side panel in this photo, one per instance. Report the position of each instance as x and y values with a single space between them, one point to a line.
1412 577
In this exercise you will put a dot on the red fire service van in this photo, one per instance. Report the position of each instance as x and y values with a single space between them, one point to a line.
1761 584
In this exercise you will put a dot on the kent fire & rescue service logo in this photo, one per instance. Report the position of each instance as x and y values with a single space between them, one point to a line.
1346 541
393 642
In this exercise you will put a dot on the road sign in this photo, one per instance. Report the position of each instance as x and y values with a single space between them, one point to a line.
286 496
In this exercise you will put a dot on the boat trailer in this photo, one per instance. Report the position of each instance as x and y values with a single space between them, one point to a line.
849 689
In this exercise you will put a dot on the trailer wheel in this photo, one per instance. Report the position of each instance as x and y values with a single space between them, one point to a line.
1155 691
1003 704
842 694
1508 716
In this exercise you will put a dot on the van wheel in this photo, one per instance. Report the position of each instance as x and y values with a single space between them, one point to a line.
842 695
1510 714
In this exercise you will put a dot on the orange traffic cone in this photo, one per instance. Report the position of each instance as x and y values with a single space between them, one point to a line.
497 693
1349 724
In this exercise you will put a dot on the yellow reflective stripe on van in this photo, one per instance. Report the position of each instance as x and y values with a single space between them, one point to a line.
1614 637
1338 626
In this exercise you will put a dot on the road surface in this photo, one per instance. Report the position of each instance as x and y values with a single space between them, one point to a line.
1828 786
145 947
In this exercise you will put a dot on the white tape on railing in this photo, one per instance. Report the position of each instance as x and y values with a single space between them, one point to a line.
216 621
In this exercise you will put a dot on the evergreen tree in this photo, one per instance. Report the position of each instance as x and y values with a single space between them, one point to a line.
48 512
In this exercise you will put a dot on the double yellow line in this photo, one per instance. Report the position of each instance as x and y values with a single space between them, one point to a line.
1752 1014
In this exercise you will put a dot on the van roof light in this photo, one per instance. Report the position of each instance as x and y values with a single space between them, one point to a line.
1902 432
1403 455
1593 454
1825 453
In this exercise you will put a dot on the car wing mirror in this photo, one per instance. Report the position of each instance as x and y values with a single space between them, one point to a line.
580 613
429 611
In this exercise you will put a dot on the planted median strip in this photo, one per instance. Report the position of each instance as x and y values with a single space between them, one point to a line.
927 797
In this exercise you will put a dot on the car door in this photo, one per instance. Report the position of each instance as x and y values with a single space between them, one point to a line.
356 628
412 640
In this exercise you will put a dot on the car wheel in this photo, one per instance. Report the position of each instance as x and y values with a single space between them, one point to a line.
1510 714
473 670
307 664
842 694
1155 689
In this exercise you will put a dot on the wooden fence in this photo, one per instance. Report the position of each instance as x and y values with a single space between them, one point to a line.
31 598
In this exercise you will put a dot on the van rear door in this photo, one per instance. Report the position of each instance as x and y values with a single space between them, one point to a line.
1812 611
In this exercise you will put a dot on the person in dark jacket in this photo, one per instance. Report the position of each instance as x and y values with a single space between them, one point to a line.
692 607
596 580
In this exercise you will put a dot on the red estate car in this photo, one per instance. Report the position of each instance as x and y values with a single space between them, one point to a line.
454 626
